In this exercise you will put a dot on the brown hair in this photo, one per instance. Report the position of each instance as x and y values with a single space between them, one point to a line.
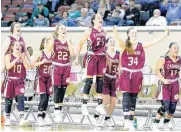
12 26
42 43
55 34
92 19
10 50
129 45
44 40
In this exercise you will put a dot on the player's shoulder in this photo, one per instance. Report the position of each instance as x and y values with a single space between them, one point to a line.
8 56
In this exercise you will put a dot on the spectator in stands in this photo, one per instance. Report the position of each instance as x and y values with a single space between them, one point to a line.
173 10
94 5
57 18
132 14
67 21
90 10
73 12
25 21
121 11
114 19
104 8
41 21
84 20
38 10
157 20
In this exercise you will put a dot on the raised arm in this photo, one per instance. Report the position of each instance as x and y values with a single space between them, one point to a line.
8 62
159 66
81 43
120 41
165 2
25 62
156 40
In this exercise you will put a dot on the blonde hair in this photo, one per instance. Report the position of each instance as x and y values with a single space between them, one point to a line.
55 33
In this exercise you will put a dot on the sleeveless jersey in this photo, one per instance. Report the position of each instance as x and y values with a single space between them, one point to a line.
115 64
171 68
62 53
18 70
134 61
96 42
21 40
44 69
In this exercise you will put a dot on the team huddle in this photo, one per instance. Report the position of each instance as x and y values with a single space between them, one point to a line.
113 71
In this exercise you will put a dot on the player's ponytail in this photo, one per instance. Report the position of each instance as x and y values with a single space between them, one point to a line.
129 45
42 44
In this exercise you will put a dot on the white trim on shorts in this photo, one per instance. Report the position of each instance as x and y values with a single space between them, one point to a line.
110 76
60 64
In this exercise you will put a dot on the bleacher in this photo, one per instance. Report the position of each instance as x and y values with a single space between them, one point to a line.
12 10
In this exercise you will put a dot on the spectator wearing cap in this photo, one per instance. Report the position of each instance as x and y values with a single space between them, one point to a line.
25 21
40 9
94 5
41 21
73 12
84 20
157 20
173 10
90 10
132 14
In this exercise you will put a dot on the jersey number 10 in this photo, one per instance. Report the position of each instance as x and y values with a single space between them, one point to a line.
17 68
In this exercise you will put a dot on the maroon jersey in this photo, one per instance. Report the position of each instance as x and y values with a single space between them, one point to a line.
18 70
115 64
96 42
44 69
134 61
21 40
62 53
171 68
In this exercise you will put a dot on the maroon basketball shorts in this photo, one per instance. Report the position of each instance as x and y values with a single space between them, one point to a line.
109 85
14 87
61 74
44 85
130 81
96 65
171 91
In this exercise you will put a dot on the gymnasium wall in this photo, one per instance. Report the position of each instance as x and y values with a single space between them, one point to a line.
33 38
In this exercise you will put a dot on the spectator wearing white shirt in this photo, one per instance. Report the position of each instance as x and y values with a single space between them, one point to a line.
157 20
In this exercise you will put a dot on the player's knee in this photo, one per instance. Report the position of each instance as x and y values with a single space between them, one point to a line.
126 101
99 83
20 99
172 108
166 105
8 104
161 111
88 84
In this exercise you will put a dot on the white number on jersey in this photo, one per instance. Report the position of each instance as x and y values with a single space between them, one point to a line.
133 61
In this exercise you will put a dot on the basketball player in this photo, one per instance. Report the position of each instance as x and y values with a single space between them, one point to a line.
130 80
109 85
62 49
171 64
44 60
15 64
96 61
16 36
